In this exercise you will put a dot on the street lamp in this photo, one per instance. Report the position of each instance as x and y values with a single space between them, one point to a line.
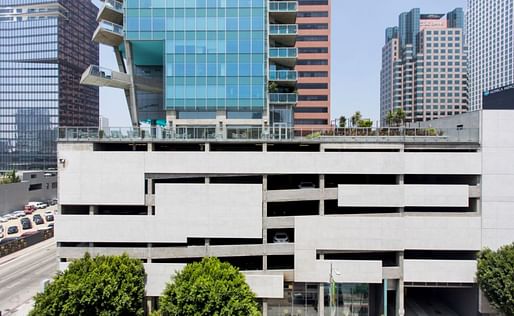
332 290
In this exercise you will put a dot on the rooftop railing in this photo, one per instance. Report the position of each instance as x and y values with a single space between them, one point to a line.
101 72
342 135
283 6
113 4
283 75
283 52
283 29
283 98
111 27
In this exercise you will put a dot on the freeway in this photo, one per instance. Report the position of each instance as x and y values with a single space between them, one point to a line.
21 274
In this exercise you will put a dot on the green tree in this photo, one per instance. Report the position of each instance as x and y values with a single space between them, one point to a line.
399 116
390 118
273 87
495 276
342 121
10 177
104 285
208 288
356 118
365 123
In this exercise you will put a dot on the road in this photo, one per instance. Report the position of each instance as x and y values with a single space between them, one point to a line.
21 274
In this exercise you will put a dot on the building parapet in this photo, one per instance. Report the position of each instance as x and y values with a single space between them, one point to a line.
235 133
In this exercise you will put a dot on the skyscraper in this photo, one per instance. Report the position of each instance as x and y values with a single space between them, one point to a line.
45 45
491 45
424 66
211 68
313 42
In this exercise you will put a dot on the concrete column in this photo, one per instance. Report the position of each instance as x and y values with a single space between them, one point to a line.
265 147
322 194
149 184
400 290
93 209
264 308
149 147
207 180
207 147
321 300
149 305
401 181
264 216
149 252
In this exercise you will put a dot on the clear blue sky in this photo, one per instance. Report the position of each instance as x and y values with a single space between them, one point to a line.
357 39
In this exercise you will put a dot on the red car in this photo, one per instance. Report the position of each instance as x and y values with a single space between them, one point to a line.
29 209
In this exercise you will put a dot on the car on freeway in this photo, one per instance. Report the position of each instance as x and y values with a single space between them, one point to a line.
49 217
12 230
280 238
38 220
25 223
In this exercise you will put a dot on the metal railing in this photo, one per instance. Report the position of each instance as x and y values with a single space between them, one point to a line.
283 52
283 6
365 135
283 98
113 4
283 29
283 75
101 72
111 27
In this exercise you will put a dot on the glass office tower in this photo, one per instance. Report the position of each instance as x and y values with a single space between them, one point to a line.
44 46
215 65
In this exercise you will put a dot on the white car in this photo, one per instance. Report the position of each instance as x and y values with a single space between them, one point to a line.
38 205
280 238
3 219
49 212
9 216
19 213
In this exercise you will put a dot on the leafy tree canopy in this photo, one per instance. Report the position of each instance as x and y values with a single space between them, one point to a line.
495 276
208 288
104 285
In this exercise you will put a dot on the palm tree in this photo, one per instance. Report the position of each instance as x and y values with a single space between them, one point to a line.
356 118
342 121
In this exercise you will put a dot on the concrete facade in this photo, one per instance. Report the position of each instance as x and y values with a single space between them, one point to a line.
389 219
34 186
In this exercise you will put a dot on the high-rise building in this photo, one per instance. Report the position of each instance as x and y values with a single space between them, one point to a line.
212 68
491 44
424 66
313 66
45 45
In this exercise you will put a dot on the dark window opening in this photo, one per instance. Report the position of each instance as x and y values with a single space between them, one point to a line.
235 147
441 179
234 241
472 208
280 235
178 147
122 210
74 209
293 181
331 208
35 187
120 147
441 254
237 179
252 263
296 147
388 258
301 208
281 262
333 180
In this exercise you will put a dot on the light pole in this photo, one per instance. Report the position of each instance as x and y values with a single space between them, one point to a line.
332 290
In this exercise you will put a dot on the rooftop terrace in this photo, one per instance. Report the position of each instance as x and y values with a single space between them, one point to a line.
241 134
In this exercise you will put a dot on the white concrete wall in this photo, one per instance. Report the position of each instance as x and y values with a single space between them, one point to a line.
181 211
498 178
264 285
403 195
452 271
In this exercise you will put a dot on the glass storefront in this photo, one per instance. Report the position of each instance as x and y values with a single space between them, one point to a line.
302 299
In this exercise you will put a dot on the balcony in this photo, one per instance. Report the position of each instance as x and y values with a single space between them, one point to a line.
283 33
283 98
109 34
283 11
103 77
111 11
283 55
283 76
